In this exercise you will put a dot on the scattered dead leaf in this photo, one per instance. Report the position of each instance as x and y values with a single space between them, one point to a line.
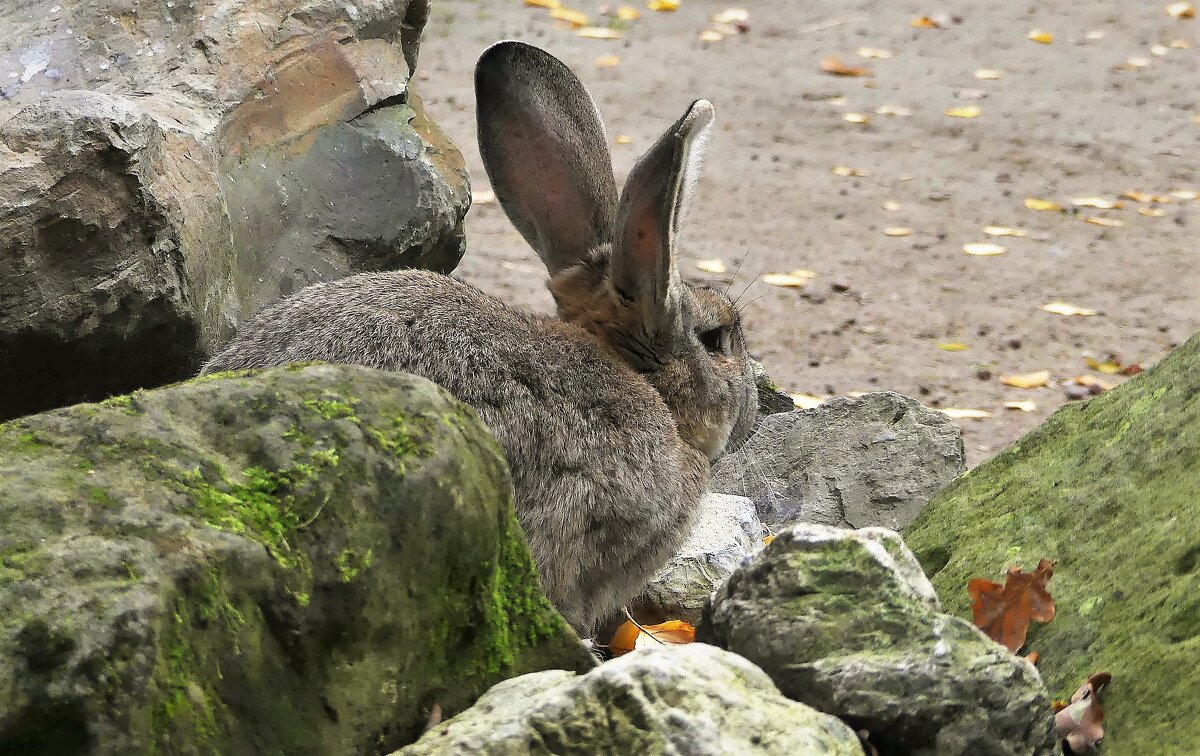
1004 612
1137 196
988 74
874 52
715 265
1062 308
663 6
1003 231
983 249
551 4
1153 212
845 170
1095 34
598 32
608 61
482 196
897 231
959 413
1028 405
711 35
952 346
1110 365
1032 657
767 540
1096 220
792 279
1099 385
806 401
1027 380
623 139
1134 63
1179 44
1099 203
630 637
1043 37
1080 722
964 111
1044 205
731 16
834 66
1181 10
573 17
924 22
893 110
1184 194
856 118
891 205
628 13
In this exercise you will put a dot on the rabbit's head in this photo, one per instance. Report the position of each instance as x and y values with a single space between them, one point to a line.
612 261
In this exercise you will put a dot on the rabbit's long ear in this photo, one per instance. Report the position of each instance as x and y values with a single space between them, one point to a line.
545 152
653 203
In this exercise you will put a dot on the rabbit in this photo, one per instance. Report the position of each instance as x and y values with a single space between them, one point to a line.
608 415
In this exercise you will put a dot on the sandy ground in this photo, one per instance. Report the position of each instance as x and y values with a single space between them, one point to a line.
1065 120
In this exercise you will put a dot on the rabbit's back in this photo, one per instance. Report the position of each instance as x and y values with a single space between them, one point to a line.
604 486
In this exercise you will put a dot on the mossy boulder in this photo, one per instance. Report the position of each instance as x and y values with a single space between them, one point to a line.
1111 489
302 561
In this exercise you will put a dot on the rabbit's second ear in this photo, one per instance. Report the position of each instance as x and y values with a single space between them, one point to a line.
655 198
545 152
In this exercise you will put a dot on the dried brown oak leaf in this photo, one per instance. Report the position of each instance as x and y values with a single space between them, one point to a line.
1080 722
1005 611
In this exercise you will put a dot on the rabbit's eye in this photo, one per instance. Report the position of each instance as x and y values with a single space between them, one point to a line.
715 340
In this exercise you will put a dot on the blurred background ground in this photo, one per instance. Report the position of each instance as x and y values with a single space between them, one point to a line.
1110 105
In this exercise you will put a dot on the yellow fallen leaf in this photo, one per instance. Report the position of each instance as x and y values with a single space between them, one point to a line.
1027 380
1106 222
598 32
964 111
987 73
1160 50
1134 63
709 35
874 52
628 13
891 205
856 118
1179 44
964 414
1137 196
1026 406
551 4
629 637
897 231
924 22
767 540
1184 194
1062 308
1108 367
1153 212
983 249
482 197
663 6
893 110
1097 202
715 265
1044 37
1033 203
1003 231
1181 10
608 61
731 16
845 170
806 401
952 346
834 66
573 17
1091 380
793 279
623 139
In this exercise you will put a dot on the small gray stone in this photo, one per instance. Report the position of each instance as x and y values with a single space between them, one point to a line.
874 460
845 622
695 700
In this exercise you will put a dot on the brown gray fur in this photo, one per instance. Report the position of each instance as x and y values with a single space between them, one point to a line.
610 414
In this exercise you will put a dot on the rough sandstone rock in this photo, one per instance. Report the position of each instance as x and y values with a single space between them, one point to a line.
726 532
846 622
1109 488
168 168
870 461
695 700
303 561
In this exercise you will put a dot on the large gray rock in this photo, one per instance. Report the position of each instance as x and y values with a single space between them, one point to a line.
846 622
168 168
695 700
725 533
870 461
304 561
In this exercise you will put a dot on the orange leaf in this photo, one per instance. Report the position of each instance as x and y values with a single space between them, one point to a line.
629 636
834 65
1005 611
